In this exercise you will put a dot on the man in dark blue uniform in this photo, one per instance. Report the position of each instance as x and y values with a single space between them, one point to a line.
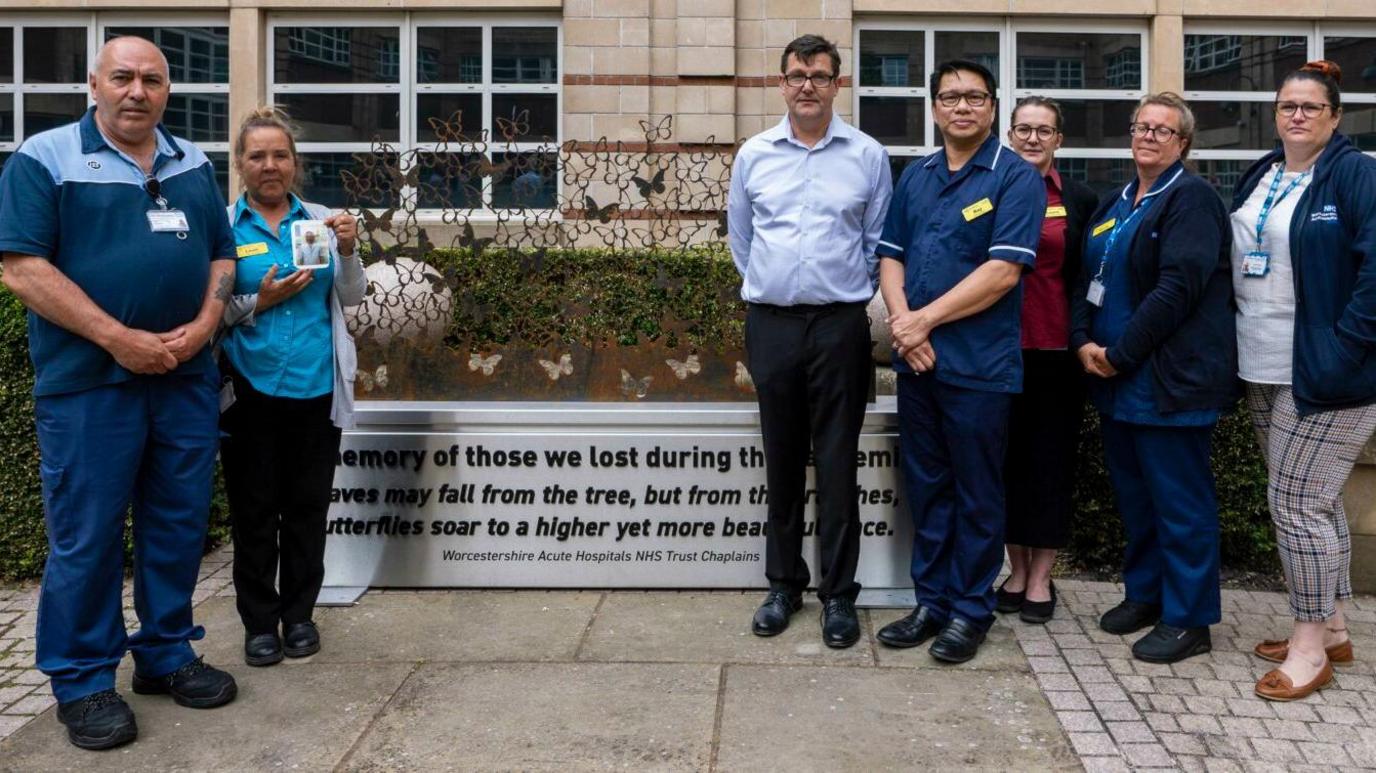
113 233
963 226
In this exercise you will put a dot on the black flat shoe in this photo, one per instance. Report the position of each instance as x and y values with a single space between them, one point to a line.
194 685
1007 600
1039 612
300 639
958 641
1129 617
98 721
262 649
1169 644
771 619
918 626
840 624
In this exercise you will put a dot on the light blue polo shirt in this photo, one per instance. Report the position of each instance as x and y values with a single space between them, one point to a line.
70 197
943 225
288 351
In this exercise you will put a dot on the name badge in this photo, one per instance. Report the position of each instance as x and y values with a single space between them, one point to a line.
1056 211
1256 263
1096 293
167 221
1104 226
249 250
981 207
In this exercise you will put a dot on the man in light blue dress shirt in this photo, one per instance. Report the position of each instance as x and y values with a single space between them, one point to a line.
806 208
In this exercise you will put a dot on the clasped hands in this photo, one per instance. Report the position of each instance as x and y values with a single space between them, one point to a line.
911 331
1094 358
140 351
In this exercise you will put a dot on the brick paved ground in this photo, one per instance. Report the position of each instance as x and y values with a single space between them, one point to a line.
1117 713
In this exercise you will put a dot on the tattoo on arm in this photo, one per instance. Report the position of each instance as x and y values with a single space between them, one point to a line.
225 289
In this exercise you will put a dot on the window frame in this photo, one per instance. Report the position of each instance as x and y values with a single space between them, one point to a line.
1008 28
409 88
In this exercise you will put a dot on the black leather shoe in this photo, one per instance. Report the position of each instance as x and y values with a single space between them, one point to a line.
1129 617
262 649
840 626
1168 644
98 721
918 626
1007 600
957 642
300 639
1039 612
194 685
771 619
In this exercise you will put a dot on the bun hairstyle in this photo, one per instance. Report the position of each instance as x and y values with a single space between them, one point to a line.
266 117
1325 73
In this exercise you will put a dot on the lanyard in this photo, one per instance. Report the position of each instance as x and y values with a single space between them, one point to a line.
1271 199
1113 238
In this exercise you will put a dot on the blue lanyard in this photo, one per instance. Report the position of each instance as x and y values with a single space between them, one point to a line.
1271 199
1113 237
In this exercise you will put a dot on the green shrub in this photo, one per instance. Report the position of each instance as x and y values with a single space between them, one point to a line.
596 295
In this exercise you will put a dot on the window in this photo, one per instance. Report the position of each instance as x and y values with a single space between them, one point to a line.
470 105
1094 71
1231 74
44 62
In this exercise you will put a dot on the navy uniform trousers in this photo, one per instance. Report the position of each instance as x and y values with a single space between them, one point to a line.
953 442
1165 491
149 442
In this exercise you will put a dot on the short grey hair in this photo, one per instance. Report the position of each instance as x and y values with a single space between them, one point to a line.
1176 102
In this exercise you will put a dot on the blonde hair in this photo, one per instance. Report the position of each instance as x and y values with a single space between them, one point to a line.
1176 102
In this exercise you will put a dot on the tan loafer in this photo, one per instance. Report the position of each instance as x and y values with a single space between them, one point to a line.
1276 686
1276 650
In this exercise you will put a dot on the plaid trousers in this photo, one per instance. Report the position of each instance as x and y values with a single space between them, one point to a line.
1309 459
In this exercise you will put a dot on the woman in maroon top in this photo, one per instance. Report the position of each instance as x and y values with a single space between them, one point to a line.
1045 422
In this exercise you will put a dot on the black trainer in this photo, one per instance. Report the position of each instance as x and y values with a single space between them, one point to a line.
1169 644
300 639
98 721
1129 617
262 649
771 619
194 685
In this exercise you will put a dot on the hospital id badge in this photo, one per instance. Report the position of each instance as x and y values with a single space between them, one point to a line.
162 221
1096 293
1256 263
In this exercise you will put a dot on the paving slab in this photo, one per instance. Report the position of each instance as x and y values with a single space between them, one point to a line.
800 718
709 628
999 652
414 626
574 716
289 717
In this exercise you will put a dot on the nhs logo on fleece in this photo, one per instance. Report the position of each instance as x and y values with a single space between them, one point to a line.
1329 214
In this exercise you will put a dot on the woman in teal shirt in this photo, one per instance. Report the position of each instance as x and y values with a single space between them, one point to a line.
290 361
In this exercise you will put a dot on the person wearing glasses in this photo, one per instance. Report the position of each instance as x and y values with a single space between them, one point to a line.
1304 271
1152 323
963 228
288 354
1044 424
806 204
114 236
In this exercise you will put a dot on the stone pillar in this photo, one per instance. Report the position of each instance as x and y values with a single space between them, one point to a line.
1167 53
607 69
247 41
705 92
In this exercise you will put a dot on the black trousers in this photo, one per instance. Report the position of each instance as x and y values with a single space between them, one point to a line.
279 459
812 371
1043 435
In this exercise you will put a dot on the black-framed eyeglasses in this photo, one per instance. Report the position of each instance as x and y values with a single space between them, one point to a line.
1024 131
820 80
1158 133
972 98
1307 109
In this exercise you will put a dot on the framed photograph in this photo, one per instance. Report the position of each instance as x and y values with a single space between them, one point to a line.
310 244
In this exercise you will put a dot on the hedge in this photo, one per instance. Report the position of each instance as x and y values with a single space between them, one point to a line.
582 295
